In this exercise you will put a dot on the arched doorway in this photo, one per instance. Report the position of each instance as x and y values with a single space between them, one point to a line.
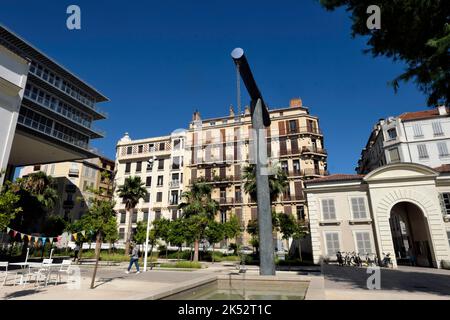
410 235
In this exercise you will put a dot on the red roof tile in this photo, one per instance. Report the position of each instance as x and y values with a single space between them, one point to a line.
443 168
425 114
337 177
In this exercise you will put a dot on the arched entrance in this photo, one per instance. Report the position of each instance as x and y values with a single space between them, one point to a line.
410 235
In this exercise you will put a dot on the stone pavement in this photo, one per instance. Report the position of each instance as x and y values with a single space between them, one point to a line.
405 283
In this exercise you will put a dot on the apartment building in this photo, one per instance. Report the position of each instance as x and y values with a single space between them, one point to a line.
159 161
74 181
50 112
218 149
419 137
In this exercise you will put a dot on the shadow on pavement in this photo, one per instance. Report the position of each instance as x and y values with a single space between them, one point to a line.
347 277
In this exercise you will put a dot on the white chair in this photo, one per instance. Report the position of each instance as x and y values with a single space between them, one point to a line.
4 273
47 261
64 269
42 273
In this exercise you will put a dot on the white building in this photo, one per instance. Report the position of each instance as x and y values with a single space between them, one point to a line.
402 209
13 78
419 137
159 161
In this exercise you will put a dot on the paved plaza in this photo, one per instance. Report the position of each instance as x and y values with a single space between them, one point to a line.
329 282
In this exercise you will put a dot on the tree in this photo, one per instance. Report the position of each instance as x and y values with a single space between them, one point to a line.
416 32
141 232
199 203
288 226
131 192
162 230
8 207
111 232
253 230
278 182
232 228
177 234
214 233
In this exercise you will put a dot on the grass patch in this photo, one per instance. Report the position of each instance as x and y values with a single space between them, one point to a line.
105 256
182 264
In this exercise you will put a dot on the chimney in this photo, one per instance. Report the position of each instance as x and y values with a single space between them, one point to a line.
196 116
442 110
295 103
247 110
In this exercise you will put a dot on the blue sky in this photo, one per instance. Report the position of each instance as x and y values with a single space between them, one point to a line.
158 61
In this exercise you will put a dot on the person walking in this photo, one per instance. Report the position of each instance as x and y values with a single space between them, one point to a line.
76 250
134 259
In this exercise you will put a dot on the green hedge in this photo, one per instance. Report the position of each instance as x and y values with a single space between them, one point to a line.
182 264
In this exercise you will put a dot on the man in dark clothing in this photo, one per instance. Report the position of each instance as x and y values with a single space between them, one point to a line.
134 259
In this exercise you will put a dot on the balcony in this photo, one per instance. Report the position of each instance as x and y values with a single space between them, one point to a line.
174 184
214 180
314 150
225 201
313 172
293 198
74 173
294 173
173 202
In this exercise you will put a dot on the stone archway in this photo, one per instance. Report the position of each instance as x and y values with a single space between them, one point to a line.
383 210
410 235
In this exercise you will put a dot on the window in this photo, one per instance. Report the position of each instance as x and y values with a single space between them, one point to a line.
445 201
122 217
160 181
140 148
37 168
161 164
296 165
148 181
394 155
442 149
358 208
174 197
121 233
422 149
284 166
392 134
332 243
139 166
363 244
417 129
134 217
292 126
159 197
223 216
145 215
129 150
176 144
328 210
127 167
437 128
151 147
212 123
147 198
157 214
448 237
176 163
300 213
149 164
162 146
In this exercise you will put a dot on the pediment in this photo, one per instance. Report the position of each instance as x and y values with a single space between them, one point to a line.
401 171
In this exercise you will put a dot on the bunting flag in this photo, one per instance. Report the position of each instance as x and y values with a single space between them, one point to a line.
8 230
14 233
83 233
37 239
29 238
75 236
21 236
43 241
51 240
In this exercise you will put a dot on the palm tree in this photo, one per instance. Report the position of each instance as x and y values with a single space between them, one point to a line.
131 192
278 182
199 203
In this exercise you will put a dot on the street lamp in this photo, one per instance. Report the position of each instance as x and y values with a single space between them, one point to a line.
150 162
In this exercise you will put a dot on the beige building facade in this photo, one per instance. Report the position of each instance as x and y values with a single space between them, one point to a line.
402 209
74 180
159 162
218 149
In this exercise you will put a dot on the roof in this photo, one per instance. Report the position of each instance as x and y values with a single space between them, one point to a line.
443 168
425 114
336 178
26 50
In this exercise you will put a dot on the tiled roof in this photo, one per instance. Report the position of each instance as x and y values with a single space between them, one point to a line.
336 177
443 168
425 114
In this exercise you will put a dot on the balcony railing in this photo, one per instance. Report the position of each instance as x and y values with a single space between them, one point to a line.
296 197
314 150
225 200
174 184
74 172
314 172
214 180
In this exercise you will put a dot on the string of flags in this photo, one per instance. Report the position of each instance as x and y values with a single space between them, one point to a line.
14 233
